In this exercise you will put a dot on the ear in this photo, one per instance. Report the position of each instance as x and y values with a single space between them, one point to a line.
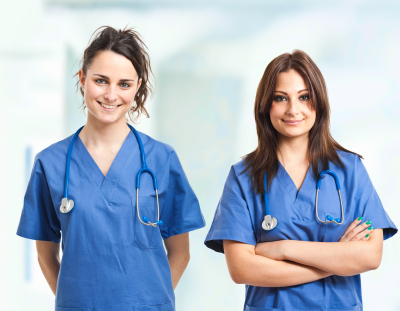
139 84
81 78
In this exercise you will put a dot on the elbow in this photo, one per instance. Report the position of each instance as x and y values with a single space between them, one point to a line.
183 257
375 259
375 263
187 258
237 276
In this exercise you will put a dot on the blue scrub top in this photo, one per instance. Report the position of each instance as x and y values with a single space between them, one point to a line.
240 213
110 260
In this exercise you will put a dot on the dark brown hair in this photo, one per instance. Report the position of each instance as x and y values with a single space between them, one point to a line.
322 148
128 43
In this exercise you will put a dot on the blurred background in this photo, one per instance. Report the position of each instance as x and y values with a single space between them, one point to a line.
208 57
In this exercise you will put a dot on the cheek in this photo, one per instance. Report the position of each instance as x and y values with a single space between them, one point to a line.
276 113
311 116
128 96
92 90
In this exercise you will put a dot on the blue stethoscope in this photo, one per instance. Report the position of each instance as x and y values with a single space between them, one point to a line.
67 205
270 222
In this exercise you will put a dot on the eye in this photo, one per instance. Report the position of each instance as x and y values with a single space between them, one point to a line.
125 85
279 98
100 81
304 97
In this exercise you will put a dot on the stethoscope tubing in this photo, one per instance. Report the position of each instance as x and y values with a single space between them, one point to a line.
67 205
329 172
66 179
330 218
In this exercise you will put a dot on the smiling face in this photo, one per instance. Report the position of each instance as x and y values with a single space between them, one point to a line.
110 86
292 114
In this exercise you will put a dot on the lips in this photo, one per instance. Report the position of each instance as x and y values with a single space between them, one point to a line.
108 107
292 122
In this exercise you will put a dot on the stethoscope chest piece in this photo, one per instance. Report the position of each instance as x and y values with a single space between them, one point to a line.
269 222
66 205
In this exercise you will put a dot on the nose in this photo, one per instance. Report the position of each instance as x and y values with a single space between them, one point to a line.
293 107
111 93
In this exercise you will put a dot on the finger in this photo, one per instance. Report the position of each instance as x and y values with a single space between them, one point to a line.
365 237
354 224
363 234
357 230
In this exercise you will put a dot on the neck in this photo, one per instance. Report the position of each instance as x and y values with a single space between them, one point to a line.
96 133
293 150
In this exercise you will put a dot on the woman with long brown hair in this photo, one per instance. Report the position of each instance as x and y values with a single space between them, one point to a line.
300 191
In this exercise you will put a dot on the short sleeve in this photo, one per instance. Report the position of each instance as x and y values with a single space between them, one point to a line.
232 220
369 204
39 219
181 212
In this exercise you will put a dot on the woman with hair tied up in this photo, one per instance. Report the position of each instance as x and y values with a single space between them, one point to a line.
86 187
308 197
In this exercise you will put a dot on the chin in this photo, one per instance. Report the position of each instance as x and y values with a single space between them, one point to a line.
108 119
294 134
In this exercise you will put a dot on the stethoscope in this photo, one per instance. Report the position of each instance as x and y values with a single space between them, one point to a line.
67 205
270 222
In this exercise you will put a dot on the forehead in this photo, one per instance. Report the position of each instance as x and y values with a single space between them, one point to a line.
290 80
112 65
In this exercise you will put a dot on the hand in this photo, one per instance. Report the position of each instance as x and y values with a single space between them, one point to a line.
357 231
272 250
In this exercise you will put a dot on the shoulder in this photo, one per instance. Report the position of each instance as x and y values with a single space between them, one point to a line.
159 148
238 168
239 175
54 152
350 160
348 157
353 165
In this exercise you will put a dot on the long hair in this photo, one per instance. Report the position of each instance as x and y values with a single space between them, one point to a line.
128 43
322 148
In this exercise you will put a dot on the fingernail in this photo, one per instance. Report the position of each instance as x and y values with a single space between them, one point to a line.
370 228
367 236
359 218
368 222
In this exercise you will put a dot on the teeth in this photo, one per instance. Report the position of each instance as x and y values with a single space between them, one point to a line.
108 106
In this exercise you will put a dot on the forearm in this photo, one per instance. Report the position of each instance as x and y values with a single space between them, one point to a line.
345 259
50 267
245 267
178 255
49 262
177 264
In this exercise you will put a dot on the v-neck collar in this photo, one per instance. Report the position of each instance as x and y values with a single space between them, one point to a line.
107 183
296 196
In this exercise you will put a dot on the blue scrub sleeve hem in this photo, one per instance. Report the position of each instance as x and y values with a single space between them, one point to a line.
388 232
171 231
215 240
37 237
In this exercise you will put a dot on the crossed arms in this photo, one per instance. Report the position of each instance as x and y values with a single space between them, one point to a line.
290 262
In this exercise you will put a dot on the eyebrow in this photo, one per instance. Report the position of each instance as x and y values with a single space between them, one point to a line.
286 93
107 78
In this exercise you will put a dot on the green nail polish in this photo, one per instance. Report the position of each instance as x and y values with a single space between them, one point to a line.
359 218
368 222
370 228
367 236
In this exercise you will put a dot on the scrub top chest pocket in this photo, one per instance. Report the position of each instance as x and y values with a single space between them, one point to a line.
146 237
